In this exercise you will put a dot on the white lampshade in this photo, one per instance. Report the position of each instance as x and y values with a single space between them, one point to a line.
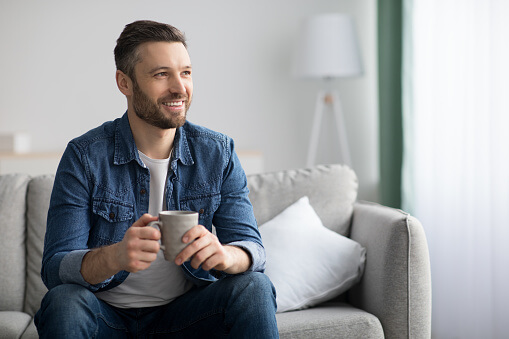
327 48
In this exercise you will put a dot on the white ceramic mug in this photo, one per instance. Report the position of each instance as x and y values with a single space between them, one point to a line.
173 225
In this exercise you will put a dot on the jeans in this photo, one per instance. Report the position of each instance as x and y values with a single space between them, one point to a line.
239 306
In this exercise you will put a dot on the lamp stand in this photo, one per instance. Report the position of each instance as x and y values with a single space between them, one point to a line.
328 98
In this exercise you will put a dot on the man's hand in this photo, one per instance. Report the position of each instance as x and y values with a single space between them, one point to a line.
137 250
139 247
207 251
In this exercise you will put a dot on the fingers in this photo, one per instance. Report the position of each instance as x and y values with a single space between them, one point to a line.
147 233
208 254
138 253
193 238
143 232
140 245
206 250
215 260
196 232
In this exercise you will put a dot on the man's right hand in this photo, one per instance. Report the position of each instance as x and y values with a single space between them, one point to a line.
137 250
139 247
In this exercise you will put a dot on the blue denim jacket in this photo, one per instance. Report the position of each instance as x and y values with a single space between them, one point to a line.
102 187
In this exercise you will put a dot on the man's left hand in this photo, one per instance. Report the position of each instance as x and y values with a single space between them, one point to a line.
207 251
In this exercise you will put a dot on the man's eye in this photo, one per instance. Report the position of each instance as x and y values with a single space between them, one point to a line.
161 74
187 73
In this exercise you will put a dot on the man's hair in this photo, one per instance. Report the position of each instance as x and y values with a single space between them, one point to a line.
137 33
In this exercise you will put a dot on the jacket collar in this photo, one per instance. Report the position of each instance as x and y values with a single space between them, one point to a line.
181 147
126 150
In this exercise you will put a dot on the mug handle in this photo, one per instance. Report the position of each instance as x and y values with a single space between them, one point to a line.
157 224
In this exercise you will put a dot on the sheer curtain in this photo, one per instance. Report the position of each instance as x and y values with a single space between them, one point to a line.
456 171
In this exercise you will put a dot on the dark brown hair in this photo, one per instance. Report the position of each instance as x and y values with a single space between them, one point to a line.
137 33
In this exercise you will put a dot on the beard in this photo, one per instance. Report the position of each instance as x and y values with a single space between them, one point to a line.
151 112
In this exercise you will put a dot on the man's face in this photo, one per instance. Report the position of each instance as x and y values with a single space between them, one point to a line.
163 86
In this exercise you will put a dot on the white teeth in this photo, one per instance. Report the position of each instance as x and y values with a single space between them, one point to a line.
173 103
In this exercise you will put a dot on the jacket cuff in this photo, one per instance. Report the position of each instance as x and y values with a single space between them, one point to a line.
70 271
257 253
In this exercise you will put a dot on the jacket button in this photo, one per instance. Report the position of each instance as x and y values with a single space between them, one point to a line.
143 191
201 211
112 215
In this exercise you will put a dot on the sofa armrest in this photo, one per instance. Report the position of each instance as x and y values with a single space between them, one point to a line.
396 285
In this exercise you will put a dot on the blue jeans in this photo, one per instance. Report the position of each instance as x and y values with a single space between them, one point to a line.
240 306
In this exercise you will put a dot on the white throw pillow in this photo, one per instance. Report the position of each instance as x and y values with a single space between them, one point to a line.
308 263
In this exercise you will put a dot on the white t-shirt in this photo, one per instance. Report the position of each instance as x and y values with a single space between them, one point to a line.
163 281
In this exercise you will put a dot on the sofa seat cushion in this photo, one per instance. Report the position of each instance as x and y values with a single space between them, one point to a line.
31 332
329 320
13 323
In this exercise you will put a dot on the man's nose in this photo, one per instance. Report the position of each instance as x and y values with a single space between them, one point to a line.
177 85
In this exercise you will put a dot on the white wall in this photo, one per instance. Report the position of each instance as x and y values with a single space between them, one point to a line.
57 73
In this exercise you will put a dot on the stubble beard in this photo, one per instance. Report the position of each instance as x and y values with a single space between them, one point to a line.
151 112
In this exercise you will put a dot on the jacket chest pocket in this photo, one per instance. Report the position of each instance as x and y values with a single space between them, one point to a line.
206 206
112 219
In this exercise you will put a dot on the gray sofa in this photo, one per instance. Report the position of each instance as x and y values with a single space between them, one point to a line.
392 300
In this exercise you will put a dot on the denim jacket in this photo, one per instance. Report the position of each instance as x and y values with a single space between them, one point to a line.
102 187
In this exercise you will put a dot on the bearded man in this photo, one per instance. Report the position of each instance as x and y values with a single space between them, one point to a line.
104 268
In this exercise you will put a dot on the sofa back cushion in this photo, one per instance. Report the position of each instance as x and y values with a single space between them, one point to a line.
332 191
13 189
38 197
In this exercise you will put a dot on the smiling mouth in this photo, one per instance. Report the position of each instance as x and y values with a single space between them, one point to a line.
173 103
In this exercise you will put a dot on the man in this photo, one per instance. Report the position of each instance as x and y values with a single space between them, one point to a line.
103 266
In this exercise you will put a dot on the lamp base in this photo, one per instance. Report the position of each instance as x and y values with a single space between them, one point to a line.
328 98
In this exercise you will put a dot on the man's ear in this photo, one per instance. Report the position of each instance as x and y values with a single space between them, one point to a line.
124 83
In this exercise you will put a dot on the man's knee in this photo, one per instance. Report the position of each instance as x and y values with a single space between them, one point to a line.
258 281
256 287
72 311
67 298
65 304
252 306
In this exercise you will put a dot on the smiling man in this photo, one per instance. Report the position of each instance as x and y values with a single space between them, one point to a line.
103 266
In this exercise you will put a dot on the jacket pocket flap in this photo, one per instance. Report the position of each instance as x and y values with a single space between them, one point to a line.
113 210
205 205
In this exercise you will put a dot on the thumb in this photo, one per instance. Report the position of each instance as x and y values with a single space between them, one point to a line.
144 220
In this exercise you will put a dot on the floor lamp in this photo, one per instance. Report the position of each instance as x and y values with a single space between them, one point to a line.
328 49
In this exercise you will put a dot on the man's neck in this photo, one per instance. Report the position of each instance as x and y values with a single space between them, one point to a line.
154 142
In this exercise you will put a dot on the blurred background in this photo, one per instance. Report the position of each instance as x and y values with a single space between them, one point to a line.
59 74
426 120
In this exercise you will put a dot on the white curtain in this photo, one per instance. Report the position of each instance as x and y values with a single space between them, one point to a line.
456 170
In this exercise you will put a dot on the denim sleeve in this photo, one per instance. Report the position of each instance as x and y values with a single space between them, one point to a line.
68 223
234 219
256 252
